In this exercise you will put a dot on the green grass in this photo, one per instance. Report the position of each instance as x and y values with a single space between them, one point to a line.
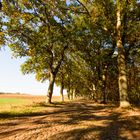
18 107
14 107
13 101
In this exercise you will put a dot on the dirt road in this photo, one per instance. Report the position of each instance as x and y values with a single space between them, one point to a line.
74 121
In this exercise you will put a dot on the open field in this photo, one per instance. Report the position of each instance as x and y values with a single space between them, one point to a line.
81 120
12 100
18 104
30 98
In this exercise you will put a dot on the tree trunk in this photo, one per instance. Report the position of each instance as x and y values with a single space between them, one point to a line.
61 92
71 94
104 79
104 94
122 80
0 5
74 94
69 89
50 88
62 86
68 94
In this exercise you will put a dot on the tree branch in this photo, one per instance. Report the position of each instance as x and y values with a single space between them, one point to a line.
0 5
84 7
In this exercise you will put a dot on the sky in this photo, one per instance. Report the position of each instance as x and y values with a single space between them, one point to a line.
12 80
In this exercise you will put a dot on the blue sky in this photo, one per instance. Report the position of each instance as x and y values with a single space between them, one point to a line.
12 80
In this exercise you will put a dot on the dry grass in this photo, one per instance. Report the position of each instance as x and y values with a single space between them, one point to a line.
19 103
32 98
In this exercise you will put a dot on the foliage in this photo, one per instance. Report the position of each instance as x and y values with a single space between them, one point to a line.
74 43
134 96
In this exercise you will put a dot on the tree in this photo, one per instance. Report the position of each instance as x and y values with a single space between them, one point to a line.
103 22
38 31
73 43
121 58
60 80
0 5
124 26
2 41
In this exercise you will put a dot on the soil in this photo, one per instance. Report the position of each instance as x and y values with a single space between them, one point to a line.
80 120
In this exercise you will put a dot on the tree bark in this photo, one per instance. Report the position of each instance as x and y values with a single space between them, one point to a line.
104 84
122 79
61 92
50 88
53 73
68 94
73 94
0 5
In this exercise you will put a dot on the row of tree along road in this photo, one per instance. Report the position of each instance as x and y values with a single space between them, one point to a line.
89 47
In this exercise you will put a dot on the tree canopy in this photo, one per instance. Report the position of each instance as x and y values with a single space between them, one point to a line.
86 46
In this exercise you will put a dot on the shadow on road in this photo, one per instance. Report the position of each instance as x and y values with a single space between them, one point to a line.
75 121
